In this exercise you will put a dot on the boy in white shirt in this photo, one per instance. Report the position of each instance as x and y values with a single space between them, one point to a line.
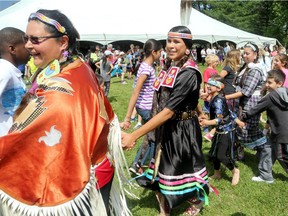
12 87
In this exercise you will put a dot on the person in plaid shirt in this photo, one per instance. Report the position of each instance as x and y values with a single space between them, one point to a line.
249 82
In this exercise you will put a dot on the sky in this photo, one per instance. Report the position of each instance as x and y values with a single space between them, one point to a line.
6 3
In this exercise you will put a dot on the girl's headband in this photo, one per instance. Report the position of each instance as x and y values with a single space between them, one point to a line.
48 21
179 35
251 46
216 83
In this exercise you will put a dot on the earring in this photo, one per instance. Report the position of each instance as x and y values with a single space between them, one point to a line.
64 56
187 52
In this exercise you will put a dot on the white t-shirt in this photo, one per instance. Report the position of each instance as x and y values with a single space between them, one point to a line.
12 89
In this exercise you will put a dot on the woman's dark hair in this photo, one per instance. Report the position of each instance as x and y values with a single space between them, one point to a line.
151 45
188 43
186 30
71 32
254 48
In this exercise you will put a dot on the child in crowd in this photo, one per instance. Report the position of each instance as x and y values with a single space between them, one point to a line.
280 62
106 68
276 105
223 141
212 61
142 98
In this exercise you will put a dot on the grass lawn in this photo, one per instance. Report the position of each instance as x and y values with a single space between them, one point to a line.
246 199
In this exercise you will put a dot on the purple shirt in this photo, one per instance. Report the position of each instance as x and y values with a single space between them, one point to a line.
145 98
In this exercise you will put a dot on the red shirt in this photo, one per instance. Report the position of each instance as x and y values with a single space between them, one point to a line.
208 72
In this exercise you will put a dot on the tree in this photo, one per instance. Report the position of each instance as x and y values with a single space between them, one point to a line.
267 18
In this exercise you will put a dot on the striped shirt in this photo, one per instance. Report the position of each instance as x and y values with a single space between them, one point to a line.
145 98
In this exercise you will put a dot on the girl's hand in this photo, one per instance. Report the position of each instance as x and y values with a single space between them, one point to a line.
202 116
203 122
125 125
203 95
127 141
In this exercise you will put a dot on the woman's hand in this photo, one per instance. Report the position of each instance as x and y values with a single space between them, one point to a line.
127 141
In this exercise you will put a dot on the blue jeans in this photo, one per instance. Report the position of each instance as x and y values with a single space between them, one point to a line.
147 148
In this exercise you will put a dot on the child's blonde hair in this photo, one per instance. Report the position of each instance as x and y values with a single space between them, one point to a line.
211 58
233 59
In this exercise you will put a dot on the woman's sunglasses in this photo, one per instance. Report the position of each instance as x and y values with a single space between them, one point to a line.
38 40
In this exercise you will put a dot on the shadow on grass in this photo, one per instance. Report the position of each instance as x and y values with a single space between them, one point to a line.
112 99
144 202
280 176
251 161
238 214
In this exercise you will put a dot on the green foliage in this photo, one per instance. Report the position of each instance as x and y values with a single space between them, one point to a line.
246 199
267 18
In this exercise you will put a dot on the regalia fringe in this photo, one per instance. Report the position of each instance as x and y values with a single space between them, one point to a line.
88 203
118 205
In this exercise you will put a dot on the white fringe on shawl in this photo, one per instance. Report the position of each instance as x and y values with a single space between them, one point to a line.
118 203
90 198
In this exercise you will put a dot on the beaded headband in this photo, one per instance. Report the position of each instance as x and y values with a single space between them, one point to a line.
216 83
179 35
48 21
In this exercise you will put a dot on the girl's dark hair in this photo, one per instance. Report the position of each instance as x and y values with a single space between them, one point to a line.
71 32
141 57
151 45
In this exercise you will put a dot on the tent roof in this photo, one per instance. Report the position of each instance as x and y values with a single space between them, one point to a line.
103 21
109 21
206 28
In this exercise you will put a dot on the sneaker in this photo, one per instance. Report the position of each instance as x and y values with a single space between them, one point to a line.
138 125
133 119
208 137
259 179
136 169
123 82
133 169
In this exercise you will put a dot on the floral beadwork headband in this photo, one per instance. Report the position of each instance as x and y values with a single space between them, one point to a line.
48 21
179 35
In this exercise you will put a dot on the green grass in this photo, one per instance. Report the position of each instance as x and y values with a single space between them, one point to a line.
246 199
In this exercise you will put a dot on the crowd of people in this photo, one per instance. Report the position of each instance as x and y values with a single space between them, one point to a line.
61 145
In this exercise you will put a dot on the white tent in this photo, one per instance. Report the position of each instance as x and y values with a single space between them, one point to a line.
107 21
206 28
104 21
